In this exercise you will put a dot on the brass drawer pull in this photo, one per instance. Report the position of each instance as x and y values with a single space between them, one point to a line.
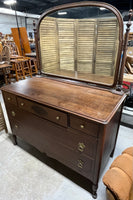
13 113
22 104
80 164
57 118
8 98
82 126
16 126
81 146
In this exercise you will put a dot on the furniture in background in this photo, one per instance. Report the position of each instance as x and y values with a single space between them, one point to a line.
31 55
119 178
21 40
5 72
72 113
129 64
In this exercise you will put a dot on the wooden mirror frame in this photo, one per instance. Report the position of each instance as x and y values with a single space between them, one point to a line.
83 4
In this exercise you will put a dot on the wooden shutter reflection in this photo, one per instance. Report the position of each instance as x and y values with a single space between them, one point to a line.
85 44
66 37
49 44
106 49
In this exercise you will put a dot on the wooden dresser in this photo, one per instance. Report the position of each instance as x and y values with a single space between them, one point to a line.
75 125
72 112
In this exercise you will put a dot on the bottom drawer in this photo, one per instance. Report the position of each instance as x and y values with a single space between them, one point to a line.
79 163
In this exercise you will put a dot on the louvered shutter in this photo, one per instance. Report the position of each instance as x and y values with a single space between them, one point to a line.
85 44
106 48
49 44
66 39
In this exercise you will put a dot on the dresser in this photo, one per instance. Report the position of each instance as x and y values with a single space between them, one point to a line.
72 111
75 125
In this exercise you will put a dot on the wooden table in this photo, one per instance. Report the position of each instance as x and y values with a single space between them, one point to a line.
4 67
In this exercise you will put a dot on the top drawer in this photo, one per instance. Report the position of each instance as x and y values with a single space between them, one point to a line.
43 111
84 125
9 98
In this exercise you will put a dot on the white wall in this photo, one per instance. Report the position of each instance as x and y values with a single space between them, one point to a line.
8 21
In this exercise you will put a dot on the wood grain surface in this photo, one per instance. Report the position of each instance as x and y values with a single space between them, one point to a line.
90 103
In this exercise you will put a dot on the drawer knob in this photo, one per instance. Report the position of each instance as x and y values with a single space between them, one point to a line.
13 113
80 164
57 118
81 146
82 126
16 126
8 98
22 104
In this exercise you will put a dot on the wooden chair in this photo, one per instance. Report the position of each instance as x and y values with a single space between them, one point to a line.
33 65
6 54
26 66
129 64
17 70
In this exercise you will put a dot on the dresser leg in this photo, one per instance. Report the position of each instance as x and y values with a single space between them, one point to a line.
14 139
112 153
94 191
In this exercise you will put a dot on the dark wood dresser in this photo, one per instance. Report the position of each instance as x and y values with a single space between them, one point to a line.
72 113
75 125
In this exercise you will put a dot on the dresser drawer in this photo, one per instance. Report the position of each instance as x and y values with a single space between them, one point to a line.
78 142
10 98
43 111
86 126
78 163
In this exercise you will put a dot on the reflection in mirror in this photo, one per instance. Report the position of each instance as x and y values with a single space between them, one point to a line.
80 43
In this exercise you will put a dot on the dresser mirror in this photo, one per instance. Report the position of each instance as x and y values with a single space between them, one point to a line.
82 42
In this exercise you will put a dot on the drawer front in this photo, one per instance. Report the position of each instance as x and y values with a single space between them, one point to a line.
78 163
43 111
86 126
9 98
74 150
77 142
44 130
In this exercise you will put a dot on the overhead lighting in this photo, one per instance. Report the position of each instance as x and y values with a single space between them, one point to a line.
10 2
102 8
62 13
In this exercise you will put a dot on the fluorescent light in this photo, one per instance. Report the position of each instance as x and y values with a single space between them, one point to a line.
10 2
62 13
101 8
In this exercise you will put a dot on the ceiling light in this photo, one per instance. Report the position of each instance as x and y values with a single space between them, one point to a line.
10 2
62 13
101 8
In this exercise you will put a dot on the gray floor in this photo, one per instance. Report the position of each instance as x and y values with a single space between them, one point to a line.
25 177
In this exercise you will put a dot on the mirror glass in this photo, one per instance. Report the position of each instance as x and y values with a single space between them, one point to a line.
80 43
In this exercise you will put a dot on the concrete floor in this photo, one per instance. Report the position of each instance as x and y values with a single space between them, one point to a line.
24 176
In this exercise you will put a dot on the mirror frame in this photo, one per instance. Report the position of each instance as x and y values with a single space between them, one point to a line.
83 4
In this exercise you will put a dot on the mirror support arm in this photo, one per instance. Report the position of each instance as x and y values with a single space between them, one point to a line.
35 36
120 80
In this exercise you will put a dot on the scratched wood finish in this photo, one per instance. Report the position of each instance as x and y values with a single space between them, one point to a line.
96 104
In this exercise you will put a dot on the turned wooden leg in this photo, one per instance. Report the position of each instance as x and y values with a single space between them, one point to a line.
94 191
14 139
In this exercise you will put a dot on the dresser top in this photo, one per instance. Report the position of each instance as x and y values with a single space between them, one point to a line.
90 103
